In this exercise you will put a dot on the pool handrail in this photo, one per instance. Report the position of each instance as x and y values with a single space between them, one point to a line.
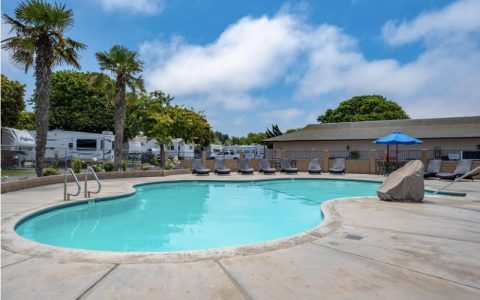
87 192
66 195
470 173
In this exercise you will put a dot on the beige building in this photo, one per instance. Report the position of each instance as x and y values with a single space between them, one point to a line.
444 137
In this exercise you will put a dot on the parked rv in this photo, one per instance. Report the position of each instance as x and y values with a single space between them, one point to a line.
140 145
16 140
72 144
179 149
249 151
17 146
213 150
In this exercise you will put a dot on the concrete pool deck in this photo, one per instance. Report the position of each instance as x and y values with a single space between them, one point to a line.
373 249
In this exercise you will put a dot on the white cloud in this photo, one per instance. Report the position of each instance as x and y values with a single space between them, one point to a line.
441 81
459 17
251 53
321 62
140 6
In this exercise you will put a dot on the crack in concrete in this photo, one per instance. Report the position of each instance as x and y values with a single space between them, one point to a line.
17 262
414 233
397 266
96 282
235 283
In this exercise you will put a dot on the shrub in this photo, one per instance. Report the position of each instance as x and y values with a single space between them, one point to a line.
77 165
155 161
97 168
172 163
50 171
124 165
145 167
354 155
108 166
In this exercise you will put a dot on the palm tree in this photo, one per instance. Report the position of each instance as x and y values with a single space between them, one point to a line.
38 40
125 66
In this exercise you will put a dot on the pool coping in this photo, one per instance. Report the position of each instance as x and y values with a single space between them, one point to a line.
11 241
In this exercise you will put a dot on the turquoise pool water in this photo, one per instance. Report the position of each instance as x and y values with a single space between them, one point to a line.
191 215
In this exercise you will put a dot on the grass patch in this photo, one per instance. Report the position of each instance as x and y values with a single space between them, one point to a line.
17 172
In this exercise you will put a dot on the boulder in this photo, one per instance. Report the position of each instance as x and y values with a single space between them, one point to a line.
405 184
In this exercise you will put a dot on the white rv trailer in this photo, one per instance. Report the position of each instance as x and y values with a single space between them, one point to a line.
16 140
141 144
180 149
17 146
253 151
213 150
72 144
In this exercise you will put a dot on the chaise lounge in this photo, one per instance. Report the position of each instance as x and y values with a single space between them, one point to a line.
243 167
314 166
198 168
463 167
220 168
338 166
433 168
286 166
265 167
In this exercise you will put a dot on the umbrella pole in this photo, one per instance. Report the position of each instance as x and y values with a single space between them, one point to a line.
396 152
388 153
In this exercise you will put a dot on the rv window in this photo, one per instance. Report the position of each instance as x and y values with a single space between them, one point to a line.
87 144
70 145
190 147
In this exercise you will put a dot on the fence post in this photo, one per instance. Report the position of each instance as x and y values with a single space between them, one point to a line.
373 161
203 156
66 161
326 158
424 156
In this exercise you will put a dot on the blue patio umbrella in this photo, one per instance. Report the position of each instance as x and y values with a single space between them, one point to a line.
396 138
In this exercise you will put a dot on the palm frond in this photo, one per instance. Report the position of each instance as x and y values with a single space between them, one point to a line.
38 22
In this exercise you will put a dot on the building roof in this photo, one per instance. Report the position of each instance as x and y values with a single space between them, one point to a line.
458 127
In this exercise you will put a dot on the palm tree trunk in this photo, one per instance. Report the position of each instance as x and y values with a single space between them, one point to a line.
120 116
43 74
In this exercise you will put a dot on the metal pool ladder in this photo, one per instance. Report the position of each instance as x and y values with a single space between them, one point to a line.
66 195
99 185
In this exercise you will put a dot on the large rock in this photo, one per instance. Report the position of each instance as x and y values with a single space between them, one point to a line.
405 184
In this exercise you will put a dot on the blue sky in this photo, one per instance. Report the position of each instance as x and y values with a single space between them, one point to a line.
248 64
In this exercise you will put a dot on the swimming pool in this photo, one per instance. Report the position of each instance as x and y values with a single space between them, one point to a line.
191 215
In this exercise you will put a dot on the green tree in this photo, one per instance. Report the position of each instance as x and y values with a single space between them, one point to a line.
220 138
274 132
11 101
364 108
163 122
77 106
26 121
125 66
38 40
255 138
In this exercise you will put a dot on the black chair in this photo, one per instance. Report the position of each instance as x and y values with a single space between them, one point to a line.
463 167
198 168
220 168
433 168
243 167
314 166
286 166
265 167
338 166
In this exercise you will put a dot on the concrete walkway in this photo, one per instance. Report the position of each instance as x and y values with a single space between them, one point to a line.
375 250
